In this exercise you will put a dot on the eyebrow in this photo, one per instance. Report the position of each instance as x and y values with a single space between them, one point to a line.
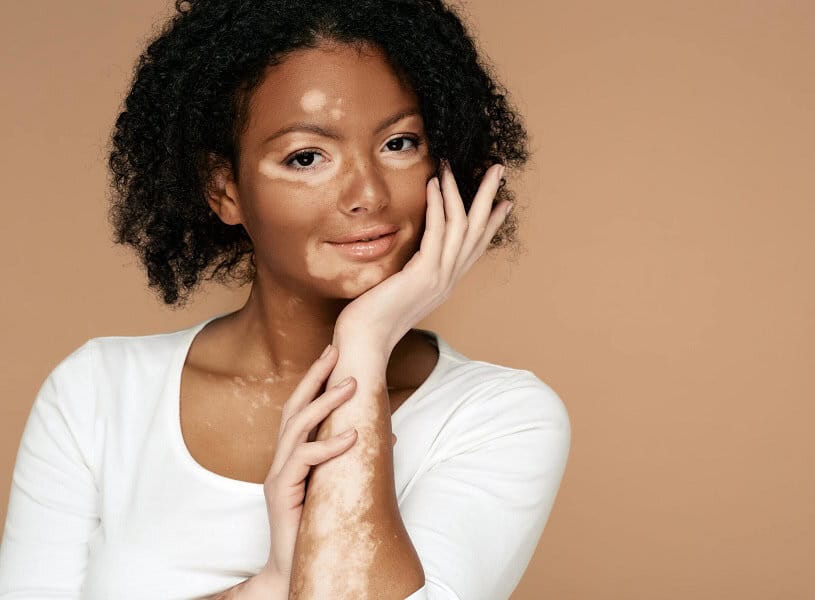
330 133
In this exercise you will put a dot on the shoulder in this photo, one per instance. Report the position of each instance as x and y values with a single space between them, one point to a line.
115 351
104 364
491 389
477 404
499 398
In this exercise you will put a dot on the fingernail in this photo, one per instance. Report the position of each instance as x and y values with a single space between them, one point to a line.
509 208
326 351
502 169
344 382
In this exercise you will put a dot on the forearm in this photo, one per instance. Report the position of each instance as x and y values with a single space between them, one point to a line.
352 543
259 587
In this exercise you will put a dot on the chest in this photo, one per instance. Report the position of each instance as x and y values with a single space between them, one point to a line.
231 427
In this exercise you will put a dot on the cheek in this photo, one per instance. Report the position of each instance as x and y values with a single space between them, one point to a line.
271 171
414 162
349 279
325 264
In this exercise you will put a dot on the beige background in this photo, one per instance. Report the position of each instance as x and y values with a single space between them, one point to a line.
666 291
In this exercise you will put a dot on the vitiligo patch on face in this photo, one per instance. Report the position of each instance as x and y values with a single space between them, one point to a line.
337 113
269 167
313 101
324 262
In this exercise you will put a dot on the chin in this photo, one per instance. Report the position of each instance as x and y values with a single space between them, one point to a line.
359 281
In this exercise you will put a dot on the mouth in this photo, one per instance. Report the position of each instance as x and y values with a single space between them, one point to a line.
367 234
367 249
366 239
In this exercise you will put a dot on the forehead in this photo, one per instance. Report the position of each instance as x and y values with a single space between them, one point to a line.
332 81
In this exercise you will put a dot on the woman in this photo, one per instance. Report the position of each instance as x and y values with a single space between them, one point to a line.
258 138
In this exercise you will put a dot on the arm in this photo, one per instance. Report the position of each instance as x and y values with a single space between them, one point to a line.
258 587
352 542
53 505
477 509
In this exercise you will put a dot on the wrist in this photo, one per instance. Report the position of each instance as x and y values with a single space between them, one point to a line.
363 345
363 336
266 585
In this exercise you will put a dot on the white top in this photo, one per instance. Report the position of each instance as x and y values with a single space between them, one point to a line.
107 502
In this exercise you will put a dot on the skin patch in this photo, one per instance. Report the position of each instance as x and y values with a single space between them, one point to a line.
313 101
345 532
407 163
270 168
336 113
323 262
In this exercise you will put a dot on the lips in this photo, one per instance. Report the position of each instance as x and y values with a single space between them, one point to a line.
371 233
367 251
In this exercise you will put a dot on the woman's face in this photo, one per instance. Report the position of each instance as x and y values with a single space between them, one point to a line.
300 188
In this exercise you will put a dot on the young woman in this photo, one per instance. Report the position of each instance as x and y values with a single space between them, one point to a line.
258 141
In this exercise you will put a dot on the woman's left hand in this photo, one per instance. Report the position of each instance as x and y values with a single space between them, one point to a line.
452 242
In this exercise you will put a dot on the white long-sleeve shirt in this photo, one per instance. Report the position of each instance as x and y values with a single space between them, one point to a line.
107 503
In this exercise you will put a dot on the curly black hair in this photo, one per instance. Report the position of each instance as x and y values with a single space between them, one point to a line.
188 105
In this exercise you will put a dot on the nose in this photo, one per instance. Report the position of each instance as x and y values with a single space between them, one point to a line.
366 190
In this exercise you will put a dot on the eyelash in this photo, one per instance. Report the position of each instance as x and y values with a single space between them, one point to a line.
417 142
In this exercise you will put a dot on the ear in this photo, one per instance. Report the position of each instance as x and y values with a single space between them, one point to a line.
221 191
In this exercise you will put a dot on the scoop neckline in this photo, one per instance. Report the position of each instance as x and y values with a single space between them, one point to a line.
240 485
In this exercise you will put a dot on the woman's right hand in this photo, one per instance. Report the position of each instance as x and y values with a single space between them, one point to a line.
285 487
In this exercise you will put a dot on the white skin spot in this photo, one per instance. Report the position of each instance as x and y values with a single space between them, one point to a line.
257 399
336 113
324 262
271 168
265 400
348 502
313 101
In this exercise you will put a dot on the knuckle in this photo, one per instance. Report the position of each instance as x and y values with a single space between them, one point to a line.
285 427
295 422
300 453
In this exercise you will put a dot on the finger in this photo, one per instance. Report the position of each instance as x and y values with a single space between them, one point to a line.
482 216
433 236
307 455
456 221
497 217
310 385
296 431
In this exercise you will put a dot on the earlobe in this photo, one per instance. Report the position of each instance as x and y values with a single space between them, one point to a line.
222 196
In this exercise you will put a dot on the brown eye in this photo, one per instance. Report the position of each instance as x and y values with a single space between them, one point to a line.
304 158
398 142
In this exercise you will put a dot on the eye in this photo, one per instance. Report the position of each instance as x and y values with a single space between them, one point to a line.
414 139
306 156
301 157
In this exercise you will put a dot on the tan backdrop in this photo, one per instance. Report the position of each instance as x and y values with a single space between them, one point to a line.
668 217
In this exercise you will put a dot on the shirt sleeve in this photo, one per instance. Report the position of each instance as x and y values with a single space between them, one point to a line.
53 502
476 516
